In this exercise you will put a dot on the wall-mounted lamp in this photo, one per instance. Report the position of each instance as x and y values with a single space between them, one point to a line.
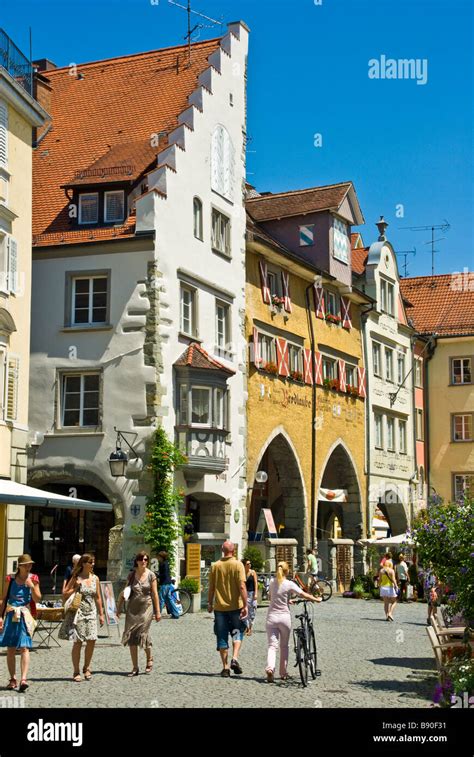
118 460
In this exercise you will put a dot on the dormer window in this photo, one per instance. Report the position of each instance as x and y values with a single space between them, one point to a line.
114 206
89 208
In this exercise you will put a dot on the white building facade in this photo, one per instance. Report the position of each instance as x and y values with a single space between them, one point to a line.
140 323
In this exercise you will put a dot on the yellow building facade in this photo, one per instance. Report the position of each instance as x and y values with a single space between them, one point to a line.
305 410
19 114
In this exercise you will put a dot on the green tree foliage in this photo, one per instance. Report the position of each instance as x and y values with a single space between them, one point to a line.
162 525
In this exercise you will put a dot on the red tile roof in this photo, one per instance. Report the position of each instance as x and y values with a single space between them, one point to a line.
124 162
104 115
284 204
440 304
197 357
359 257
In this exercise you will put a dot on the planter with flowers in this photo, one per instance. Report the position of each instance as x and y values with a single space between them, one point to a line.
297 376
334 385
270 368
352 391
277 303
327 384
335 319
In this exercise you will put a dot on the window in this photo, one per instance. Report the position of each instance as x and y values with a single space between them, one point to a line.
418 373
267 349
383 295
272 280
89 300
188 311
461 371
331 303
351 375
114 209
12 375
401 367
462 428
220 232
222 326
463 486
80 399
402 432
329 369
9 282
183 405
341 241
197 216
295 354
3 134
200 406
219 413
89 208
376 358
390 299
391 434
419 426
388 364
378 430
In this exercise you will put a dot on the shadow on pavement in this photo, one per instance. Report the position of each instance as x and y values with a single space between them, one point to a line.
415 663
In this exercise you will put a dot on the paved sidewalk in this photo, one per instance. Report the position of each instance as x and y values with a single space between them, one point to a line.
364 662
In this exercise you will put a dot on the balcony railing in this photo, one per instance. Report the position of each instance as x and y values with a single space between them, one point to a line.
205 450
15 63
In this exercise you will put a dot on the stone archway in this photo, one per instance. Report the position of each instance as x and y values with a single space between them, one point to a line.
392 507
284 493
339 473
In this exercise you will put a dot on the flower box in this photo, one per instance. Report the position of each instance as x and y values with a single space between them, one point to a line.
330 318
271 368
297 376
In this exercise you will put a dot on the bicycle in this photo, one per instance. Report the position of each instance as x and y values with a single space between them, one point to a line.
305 645
182 597
318 587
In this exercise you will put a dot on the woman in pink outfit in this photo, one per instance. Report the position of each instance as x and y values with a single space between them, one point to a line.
279 619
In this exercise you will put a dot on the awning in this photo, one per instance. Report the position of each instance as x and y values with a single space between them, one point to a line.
12 493
395 541
332 495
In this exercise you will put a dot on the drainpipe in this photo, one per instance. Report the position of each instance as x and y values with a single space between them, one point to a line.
363 319
313 420
426 429
416 474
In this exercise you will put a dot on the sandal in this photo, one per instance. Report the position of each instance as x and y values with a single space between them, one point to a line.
23 685
270 676
13 683
87 673
149 666
77 678
133 673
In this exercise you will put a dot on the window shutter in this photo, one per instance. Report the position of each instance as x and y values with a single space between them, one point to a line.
282 357
308 367
256 348
318 294
11 387
346 313
318 368
342 375
12 267
3 134
361 377
264 281
285 280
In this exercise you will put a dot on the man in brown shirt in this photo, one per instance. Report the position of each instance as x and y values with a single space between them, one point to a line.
228 598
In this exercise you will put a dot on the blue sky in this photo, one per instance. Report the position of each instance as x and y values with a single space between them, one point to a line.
401 143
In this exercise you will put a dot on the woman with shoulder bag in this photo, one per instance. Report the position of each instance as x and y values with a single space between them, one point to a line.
83 600
143 605
388 588
16 632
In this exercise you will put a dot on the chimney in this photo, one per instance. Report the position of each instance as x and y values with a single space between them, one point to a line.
42 92
43 64
382 226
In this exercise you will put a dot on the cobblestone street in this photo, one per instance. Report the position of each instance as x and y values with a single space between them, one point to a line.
364 662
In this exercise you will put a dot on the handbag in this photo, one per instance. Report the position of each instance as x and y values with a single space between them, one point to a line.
5 601
73 602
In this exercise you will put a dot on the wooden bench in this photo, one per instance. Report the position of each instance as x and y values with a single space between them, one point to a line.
440 648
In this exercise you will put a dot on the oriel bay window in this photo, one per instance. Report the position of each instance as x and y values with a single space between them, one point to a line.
80 394
202 407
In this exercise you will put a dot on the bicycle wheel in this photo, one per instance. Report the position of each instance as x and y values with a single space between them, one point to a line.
322 589
312 653
302 659
185 599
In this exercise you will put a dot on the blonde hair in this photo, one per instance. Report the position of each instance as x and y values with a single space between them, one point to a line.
282 571
388 564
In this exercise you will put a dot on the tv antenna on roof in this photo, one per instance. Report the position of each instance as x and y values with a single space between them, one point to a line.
445 226
405 262
197 26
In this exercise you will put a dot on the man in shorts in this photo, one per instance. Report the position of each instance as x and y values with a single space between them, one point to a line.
228 598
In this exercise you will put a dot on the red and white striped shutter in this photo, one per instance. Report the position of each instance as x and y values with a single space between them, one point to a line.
346 313
342 375
318 368
308 367
283 356
361 378
264 280
256 348
285 280
318 293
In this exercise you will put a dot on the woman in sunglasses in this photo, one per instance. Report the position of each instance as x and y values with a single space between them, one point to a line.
80 622
142 606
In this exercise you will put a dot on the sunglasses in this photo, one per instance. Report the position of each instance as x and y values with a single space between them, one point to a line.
142 559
